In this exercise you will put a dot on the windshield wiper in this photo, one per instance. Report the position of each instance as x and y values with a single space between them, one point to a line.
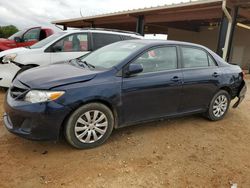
87 64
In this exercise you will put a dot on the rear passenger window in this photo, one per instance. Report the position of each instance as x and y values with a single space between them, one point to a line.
193 57
158 59
102 39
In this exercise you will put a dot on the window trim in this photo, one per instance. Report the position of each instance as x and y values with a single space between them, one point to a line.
132 38
49 48
199 48
149 49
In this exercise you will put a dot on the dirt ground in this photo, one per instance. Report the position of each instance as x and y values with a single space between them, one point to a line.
183 152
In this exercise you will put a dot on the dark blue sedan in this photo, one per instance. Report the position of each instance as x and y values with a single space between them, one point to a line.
125 83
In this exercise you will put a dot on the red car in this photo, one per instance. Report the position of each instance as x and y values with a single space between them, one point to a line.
24 38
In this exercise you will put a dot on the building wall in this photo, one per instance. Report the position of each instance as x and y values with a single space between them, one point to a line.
209 38
241 48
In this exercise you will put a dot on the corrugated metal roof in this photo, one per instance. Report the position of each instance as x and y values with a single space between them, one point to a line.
139 10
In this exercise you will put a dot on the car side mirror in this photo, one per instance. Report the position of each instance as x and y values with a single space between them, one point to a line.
17 39
56 49
133 69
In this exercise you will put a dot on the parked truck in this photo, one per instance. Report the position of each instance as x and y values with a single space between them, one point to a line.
25 38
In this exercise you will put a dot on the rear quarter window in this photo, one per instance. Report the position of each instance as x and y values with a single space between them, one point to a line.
103 39
211 61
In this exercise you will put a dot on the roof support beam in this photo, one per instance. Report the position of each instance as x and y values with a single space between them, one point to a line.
184 16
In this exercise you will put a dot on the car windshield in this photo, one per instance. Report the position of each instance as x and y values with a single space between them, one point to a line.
17 34
111 55
46 41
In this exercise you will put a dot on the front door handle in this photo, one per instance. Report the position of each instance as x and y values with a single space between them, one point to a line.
175 79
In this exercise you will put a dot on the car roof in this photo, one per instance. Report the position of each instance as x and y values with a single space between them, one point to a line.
153 42
116 32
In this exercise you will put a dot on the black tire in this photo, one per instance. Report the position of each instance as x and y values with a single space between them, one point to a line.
72 122
210 113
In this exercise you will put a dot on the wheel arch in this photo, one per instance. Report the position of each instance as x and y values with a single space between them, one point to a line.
229 90
101 101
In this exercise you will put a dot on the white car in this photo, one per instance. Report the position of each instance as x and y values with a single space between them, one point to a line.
61 46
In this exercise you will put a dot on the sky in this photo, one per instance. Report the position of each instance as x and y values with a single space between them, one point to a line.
29 13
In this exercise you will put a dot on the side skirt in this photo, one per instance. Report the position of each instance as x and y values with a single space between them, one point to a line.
198 111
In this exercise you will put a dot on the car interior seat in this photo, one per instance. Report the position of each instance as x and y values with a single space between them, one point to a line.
76 44
42 35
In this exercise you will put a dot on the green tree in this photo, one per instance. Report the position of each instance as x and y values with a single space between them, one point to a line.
6 31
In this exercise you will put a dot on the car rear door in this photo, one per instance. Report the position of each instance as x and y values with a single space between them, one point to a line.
156 91
201 77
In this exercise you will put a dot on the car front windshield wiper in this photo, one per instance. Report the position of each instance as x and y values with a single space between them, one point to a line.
87 64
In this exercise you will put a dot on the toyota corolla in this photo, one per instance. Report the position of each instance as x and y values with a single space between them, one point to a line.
122 84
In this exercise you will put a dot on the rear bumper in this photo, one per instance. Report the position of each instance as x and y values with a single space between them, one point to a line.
241 94
41 121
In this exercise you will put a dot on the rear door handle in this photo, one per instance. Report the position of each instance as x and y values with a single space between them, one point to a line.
215 74
175 79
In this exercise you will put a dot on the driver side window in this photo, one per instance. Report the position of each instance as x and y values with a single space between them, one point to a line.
158 59
31 35
72 43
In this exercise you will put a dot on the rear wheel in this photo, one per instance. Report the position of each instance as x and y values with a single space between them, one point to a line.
219 106
89 126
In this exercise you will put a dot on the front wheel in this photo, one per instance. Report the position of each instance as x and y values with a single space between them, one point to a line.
219 106
89 126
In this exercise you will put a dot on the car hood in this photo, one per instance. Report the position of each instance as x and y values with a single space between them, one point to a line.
55 75
13 51
3 40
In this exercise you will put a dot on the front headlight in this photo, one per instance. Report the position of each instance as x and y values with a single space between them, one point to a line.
8 58
36 96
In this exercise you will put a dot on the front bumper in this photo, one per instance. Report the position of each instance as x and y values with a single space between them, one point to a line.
7 73
40 121
241 94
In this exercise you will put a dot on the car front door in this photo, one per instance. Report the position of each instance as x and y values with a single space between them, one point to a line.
30 37
201 77
69 47
156 91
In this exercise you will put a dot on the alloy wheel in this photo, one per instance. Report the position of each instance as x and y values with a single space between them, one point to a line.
220 106
91 126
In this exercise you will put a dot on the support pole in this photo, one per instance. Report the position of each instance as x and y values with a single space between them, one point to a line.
229 27
140 25
235 15
222 35
64 27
